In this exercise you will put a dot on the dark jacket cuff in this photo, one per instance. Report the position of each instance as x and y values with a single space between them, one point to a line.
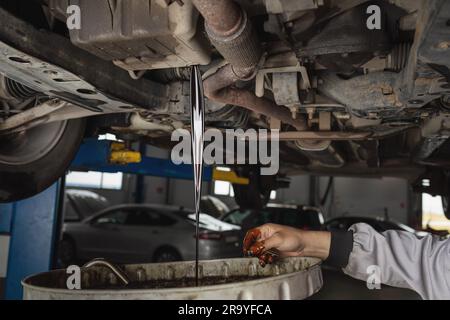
340 248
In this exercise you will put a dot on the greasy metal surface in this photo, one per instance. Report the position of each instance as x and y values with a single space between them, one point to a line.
140 34
435 45
291 278
106 80
42 110
347 33
218 88
428 146
232 33
328 157
363 95
377 95
11 90
336 135
419 81
222 16
317 135
262 73
55 81
283 6
398 57
242 49
285 88
101 262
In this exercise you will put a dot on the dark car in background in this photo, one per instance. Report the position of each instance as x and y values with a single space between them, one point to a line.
213 206
134 233
298 216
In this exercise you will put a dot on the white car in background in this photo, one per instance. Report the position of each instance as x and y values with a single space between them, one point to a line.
132 233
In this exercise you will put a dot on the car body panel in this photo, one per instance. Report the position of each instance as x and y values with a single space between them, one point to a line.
97 236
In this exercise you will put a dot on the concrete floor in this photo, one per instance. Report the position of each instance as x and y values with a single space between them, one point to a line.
339 286
2 288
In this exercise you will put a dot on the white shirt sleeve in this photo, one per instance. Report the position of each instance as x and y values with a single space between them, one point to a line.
402 259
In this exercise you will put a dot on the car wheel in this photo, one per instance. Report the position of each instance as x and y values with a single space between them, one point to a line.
166 255
67 253
32 160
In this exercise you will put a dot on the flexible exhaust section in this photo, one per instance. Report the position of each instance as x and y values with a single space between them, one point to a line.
232 33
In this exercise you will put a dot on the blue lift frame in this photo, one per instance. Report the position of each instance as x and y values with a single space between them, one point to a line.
94 154
32 226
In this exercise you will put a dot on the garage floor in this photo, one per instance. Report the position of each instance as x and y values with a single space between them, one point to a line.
339 286
2 288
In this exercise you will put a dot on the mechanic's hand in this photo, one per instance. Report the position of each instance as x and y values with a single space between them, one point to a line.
269 241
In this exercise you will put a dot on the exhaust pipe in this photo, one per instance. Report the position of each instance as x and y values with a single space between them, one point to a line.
219 87
232 33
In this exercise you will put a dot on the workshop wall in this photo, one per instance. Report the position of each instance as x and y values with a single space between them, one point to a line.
354 196
169 191
115 197
348 196
297 193
370 197
181 192
155 189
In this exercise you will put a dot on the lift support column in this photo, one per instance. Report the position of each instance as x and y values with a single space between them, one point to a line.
28 228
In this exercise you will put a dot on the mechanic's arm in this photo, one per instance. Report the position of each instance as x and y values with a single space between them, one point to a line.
422 265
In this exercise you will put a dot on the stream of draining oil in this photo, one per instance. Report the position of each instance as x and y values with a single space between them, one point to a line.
197 136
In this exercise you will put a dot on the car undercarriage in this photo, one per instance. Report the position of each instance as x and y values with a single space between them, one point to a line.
356 88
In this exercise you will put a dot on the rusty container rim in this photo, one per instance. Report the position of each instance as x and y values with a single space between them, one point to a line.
315 264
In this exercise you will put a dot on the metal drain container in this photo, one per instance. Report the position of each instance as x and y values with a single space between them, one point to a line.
291 278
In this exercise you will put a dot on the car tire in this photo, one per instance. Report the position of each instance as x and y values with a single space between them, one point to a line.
67 253
32 160
166 254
